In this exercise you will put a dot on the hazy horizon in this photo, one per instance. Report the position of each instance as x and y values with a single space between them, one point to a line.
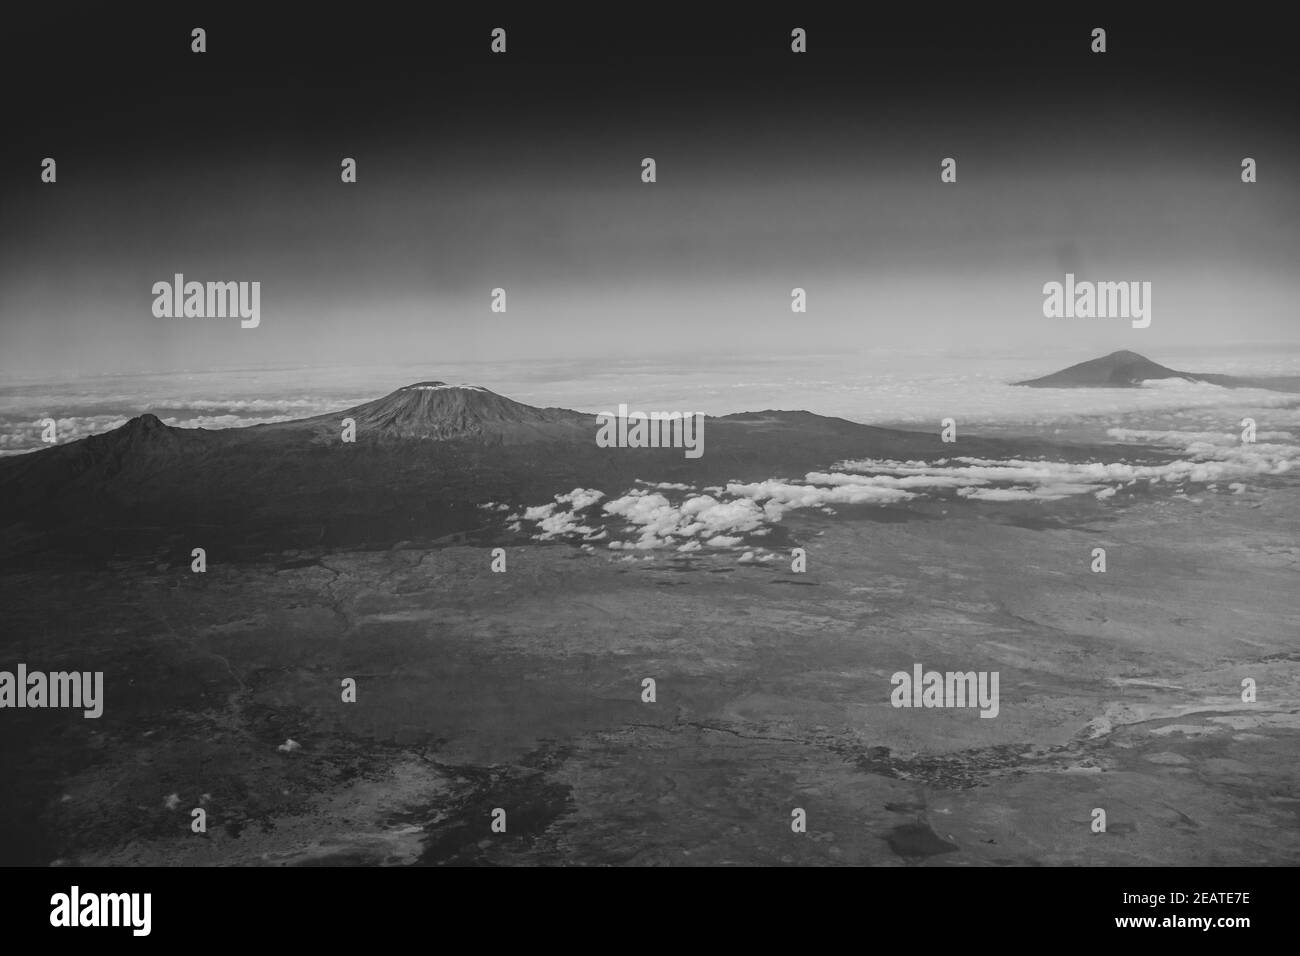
519 172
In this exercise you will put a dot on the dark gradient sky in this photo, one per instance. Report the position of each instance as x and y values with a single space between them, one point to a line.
523 171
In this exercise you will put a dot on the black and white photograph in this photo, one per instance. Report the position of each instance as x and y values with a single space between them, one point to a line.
665 437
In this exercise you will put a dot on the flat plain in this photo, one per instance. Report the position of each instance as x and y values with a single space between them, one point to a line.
523 691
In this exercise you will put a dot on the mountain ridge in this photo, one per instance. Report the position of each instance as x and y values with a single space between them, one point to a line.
426 458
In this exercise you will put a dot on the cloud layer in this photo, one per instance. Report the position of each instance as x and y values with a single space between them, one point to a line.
662 516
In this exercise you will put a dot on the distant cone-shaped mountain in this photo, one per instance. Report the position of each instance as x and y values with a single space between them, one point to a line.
1125 369
1121 369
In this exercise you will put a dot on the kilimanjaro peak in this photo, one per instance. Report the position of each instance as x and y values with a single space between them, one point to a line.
441 411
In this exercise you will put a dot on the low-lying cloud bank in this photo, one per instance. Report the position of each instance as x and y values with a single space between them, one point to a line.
678 517
80 415
17 437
